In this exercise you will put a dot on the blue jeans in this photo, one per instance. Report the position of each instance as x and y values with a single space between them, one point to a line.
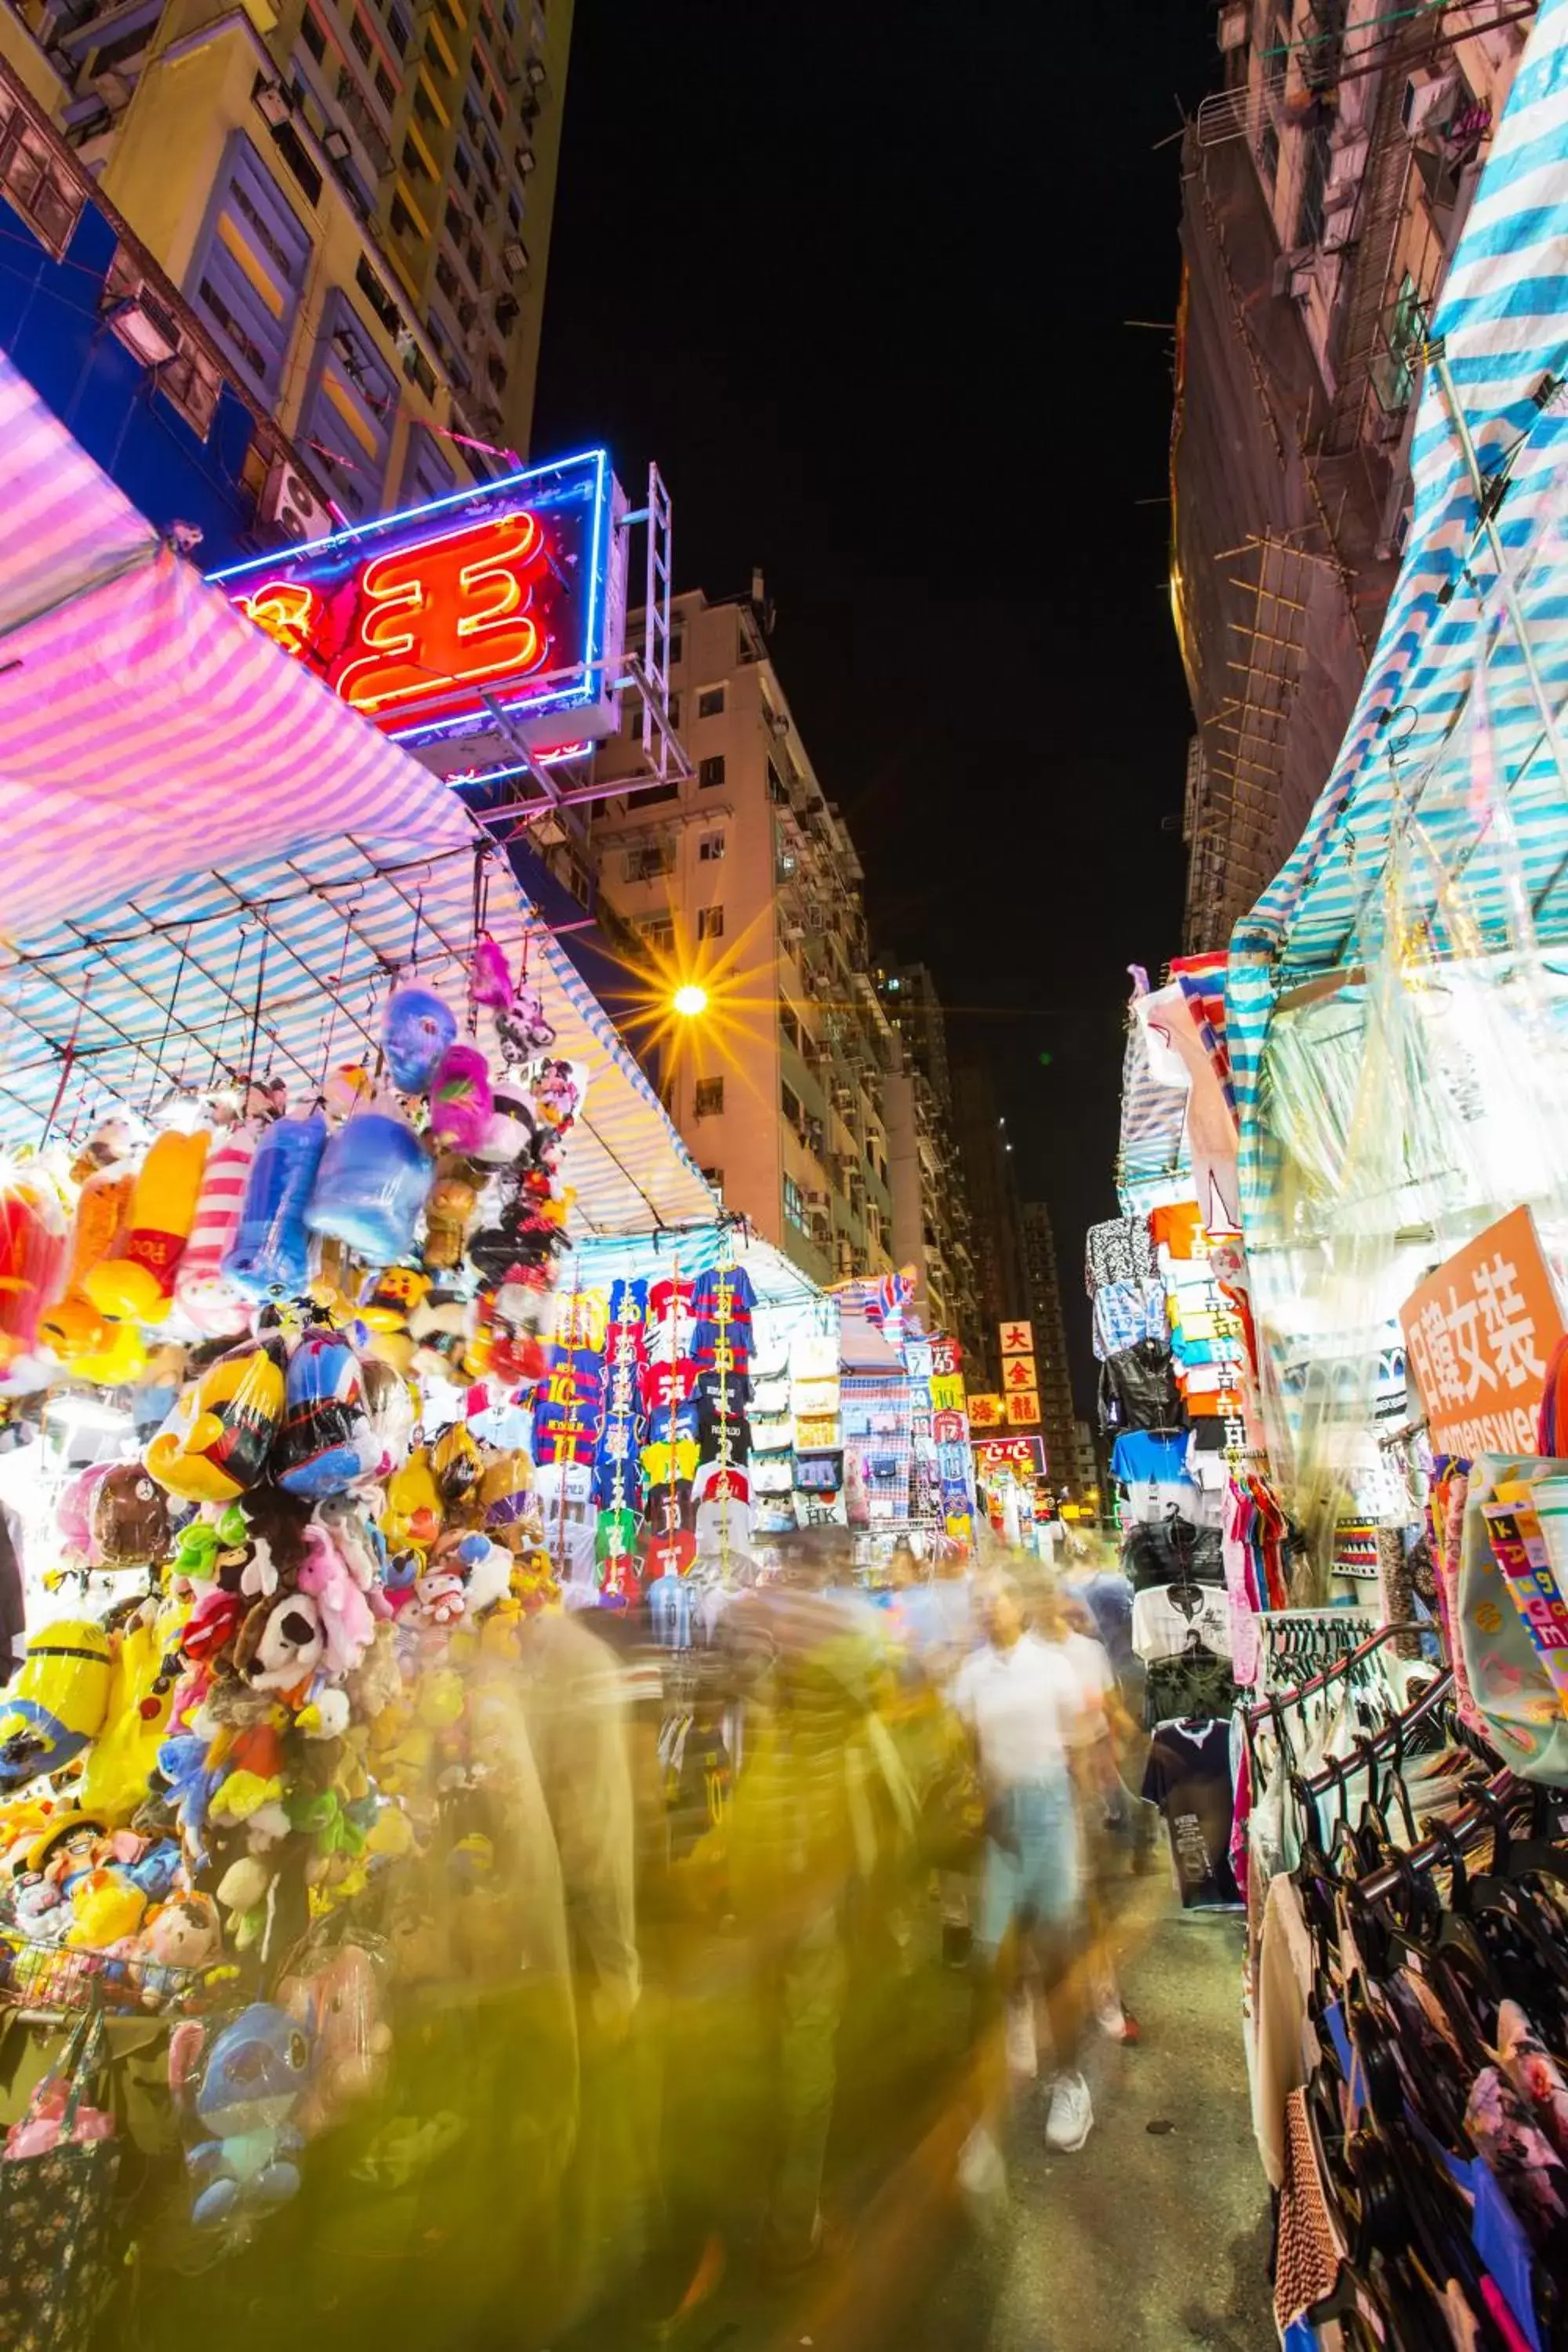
1033 1871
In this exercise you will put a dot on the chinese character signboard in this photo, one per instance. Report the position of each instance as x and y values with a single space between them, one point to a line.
1018 1338
1018 1373
1023 1408
1480 1332
488 616
1022 1458
986 1411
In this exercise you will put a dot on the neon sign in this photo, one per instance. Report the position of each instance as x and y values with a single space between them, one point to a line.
463 627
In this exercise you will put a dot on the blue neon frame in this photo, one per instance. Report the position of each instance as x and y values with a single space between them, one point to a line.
590 683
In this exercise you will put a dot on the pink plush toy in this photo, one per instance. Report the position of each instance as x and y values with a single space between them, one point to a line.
202 1291
340 2004
461 1099
490 982
347 1625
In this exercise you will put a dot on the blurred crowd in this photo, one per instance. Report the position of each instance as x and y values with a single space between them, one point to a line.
715 1945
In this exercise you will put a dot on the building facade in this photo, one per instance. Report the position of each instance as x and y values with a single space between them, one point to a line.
932 1229
1001 1273
353 201
1058 1424
742 878
1324 187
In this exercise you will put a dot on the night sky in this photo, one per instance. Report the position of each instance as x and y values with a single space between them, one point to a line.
856 277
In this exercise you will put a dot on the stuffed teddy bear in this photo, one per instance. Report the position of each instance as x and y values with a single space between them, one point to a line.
348 1626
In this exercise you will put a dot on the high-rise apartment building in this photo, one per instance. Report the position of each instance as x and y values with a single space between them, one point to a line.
742 877
352 196
1001 1275
1324 188
1059 1425
930 1205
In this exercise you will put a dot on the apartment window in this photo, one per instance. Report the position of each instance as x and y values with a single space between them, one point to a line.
647 861
677 647
709 1101
128 42
631 716
495 368
658 931
710 772
402 221
41 189
508 17
790 1025
710 702
713 1178
359 38
446 279
1314 179
350 403
710 848
413 162
398 31
475 128
675 711
386 88
376 295
498 111
427 472
513 212
313 35
249 273
795 1204
1268 154
777 793
709 922
789 1102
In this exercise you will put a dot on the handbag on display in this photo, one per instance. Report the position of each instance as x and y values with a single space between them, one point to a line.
58 2178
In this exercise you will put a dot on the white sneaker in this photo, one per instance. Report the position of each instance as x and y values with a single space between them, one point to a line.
982 2181
1071 2119
1023 2058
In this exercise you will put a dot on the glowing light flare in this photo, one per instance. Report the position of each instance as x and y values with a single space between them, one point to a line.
690 999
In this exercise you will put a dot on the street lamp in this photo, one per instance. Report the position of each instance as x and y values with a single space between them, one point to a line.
690 1000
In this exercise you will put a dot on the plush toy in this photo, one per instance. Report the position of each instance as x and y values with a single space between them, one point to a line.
412 1520
112 1355
270 1255
416 1028
489 976
73 1514
513 1132
392 1409
348 1627
203 1292
255 2073
460 1098
390 1296
456 1466
57 1703
338 2003
243 1891
175 1942
120 1765
95 1230
32 1255
281 1643
324 1442
106 1907
487 1573
137 1284
130 1518
183 1765
371 1187
504 1499
215 1443
439 1330
448 1213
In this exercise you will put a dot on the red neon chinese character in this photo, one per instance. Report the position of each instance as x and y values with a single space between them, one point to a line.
454 612
288 612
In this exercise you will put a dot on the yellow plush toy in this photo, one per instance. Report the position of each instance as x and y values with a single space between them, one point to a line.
215 1443
59 1701
137 1284
413 1518
120 1764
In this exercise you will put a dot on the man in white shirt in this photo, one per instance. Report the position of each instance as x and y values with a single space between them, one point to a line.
1021 1698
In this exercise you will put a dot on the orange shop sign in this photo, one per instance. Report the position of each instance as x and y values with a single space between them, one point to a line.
986 1411
1480 1332
1023 1408
1018 1338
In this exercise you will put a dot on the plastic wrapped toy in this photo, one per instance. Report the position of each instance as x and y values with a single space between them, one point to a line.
460 1098
324 1444
416 1028
339 2002
449 1214
371 1187
137 1284
59 1701
32 1257
215 1442
130 1518
270 1257
252 2075
201 1290
79 1332
119 1767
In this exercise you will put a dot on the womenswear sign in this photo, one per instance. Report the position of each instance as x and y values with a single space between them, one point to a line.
491 609
1480 1332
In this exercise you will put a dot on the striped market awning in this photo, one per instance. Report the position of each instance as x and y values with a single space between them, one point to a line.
1443 830
213 865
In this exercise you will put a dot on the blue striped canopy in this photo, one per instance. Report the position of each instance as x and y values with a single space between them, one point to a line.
1443 830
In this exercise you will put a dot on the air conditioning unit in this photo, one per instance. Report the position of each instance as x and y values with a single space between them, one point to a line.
817 1199
1428 100
535 70
1231 28
273 102
514 253
1390 424
335 145
114 89
290 503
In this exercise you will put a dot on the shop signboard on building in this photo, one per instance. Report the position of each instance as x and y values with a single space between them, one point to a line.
987 1411
1023 1459
468 627
1020 1377
1480 1331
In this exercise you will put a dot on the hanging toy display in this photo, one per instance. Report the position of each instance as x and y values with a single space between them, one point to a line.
270 1254
370 1186
416 1028
137 1284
